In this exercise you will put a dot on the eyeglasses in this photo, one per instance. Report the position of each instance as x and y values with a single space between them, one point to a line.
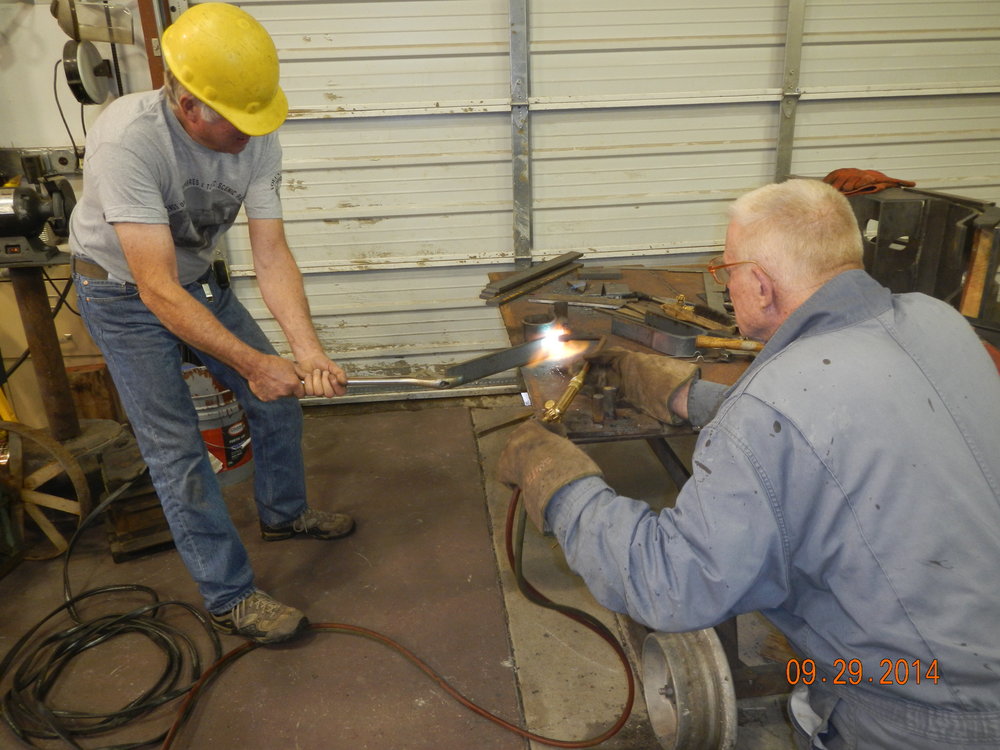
719 270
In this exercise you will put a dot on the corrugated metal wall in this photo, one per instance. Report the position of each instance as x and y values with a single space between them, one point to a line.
644 122
910 86
397 184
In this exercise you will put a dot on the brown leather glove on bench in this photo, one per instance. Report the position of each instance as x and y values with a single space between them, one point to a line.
851 181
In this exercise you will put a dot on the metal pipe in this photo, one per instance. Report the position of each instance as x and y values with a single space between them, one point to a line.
597 408
609 402
422 382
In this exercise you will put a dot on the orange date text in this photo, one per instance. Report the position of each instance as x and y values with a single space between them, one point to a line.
852 672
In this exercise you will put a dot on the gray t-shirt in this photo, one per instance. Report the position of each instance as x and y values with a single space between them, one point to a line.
142 167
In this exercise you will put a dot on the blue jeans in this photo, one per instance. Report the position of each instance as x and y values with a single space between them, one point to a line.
144 360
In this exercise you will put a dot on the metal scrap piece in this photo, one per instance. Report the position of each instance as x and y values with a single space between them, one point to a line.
530 286
617 290
600 273
582 300
507 283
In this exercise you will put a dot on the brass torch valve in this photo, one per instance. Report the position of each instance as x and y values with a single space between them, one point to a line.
554 410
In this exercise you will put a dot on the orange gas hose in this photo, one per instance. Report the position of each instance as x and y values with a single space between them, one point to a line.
513 557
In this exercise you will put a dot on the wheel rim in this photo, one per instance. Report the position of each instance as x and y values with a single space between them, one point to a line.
689 691
58 461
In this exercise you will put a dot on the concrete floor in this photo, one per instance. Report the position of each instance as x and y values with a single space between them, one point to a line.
425 567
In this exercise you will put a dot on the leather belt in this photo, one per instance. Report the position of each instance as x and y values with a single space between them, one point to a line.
87 268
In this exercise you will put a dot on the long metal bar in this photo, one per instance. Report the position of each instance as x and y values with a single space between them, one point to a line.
497 361
420 382
471 370
790 91
520 131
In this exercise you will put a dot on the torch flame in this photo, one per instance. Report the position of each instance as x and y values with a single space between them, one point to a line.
553 348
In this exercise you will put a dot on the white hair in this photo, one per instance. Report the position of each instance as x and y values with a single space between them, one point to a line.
801 231
175 89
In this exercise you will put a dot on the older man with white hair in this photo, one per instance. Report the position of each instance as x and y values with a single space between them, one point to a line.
847 486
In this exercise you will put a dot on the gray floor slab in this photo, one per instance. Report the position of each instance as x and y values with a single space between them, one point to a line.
576 685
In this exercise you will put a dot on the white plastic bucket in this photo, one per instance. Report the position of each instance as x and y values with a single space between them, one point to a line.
223 426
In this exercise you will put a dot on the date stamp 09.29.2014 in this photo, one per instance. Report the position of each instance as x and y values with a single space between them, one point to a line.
852 672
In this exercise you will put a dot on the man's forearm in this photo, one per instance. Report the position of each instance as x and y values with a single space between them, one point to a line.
284 295
183 316
281 287
283 291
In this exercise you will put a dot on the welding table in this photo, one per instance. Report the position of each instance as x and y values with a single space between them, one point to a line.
547 381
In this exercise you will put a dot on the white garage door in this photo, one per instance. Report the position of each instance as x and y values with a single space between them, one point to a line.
431 142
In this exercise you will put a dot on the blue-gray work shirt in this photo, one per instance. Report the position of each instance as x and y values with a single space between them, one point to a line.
848 487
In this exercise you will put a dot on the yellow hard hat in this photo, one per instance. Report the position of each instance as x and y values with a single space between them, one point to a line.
226 59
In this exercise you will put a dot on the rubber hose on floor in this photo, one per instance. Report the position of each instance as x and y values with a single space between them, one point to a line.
31 719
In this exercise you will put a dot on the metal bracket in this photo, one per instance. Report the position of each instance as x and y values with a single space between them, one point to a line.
518 93
176 8
789 101
23 161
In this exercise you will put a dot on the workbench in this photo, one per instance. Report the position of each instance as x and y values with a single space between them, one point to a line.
584 423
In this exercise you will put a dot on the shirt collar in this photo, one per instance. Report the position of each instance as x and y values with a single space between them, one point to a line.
846 299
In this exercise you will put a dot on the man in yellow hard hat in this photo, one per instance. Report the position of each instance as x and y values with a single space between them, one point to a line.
165 175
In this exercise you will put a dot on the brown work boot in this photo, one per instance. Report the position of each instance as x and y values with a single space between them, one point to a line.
261 619
315 523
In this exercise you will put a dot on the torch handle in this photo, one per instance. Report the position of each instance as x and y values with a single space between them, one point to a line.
554 410
717 342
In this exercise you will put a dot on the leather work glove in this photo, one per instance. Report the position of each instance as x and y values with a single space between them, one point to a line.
648 381
541 463
850 181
